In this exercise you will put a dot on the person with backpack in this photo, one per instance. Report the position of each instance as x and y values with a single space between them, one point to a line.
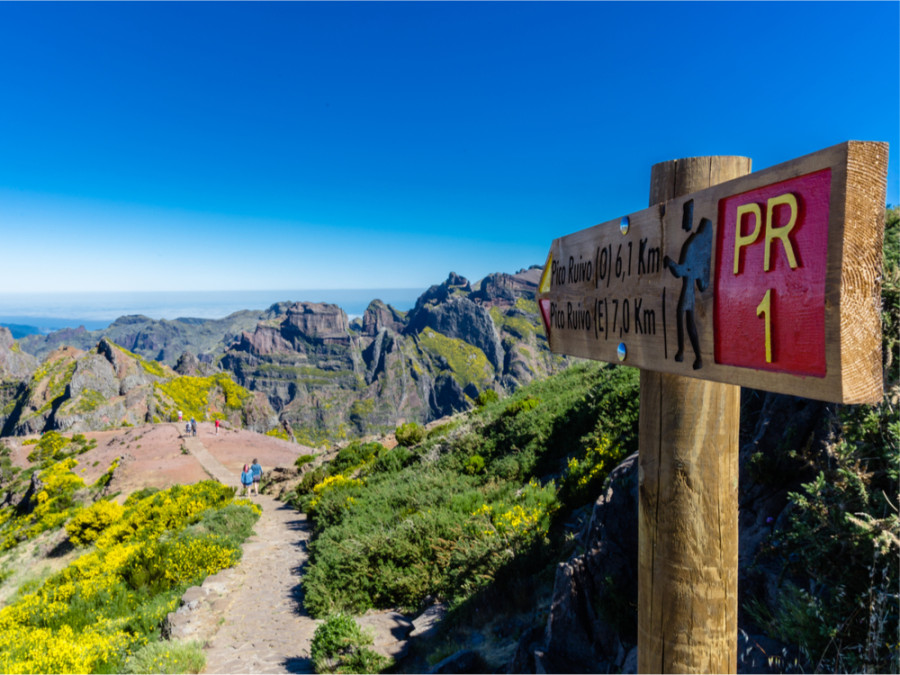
246 479
256 470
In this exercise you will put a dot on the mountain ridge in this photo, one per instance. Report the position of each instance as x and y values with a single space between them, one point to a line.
325 377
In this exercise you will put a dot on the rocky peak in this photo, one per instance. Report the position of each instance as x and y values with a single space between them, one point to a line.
116 357
454 284
461 318
379 316
505 289
316 322
188 364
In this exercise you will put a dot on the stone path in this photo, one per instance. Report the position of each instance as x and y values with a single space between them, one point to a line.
265 629
251 617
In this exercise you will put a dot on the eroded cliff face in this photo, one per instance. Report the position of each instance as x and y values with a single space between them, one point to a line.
330 378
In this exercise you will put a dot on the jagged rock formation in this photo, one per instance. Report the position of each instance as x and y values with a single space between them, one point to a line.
326 377
329 378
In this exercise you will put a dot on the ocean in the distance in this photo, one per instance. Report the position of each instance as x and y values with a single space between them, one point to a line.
94 311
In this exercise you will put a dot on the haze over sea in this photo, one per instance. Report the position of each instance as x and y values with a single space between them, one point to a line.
96 310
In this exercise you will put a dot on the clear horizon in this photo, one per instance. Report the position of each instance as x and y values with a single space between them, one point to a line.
206 146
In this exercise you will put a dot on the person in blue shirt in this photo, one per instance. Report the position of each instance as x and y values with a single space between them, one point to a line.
256 470
246 479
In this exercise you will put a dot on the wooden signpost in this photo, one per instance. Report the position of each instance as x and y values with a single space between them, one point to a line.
768 280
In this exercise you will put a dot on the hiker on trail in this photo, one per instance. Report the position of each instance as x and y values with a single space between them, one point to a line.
218 422
256 470
179 415
246 479
193 427
187 428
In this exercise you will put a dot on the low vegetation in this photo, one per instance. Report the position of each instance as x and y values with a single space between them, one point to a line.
341 646
445 517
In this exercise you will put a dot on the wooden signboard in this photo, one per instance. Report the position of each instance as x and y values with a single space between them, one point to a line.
770 281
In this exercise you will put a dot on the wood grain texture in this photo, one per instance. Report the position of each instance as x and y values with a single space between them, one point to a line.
845 316
860 285
688 509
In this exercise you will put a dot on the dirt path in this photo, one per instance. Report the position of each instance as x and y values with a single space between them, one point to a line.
251 617
210 464
265 629
252 611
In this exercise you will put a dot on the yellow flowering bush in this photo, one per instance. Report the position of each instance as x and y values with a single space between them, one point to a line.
518 522
49 446
335 482
42 650
186 560
169 510
332 498
195 395
89 523
584 476
92 615
53 505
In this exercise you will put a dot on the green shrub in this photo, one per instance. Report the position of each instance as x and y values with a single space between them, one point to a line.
303 460
354 456
339 646
139 495
49 448
232 523
393 460
486 397
452 525
167 657
409 434
475 464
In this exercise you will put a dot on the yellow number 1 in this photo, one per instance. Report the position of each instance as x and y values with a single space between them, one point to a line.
765 307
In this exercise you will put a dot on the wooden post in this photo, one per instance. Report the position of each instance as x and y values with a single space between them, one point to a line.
688 508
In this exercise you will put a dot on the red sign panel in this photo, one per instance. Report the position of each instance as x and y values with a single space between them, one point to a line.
771 260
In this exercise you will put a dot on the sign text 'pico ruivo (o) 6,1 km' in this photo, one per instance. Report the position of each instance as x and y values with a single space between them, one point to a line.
770 281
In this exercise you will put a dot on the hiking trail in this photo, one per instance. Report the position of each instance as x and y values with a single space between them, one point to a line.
251 616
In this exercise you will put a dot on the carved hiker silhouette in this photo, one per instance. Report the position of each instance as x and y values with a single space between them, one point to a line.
693 268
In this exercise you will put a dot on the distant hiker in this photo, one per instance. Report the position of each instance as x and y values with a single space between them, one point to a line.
246 479
218 422
256 470
179 415
187 428
193 427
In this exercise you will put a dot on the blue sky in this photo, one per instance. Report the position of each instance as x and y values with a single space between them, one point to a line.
181 146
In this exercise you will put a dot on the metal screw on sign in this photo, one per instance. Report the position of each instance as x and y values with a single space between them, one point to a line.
622 351
623 227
